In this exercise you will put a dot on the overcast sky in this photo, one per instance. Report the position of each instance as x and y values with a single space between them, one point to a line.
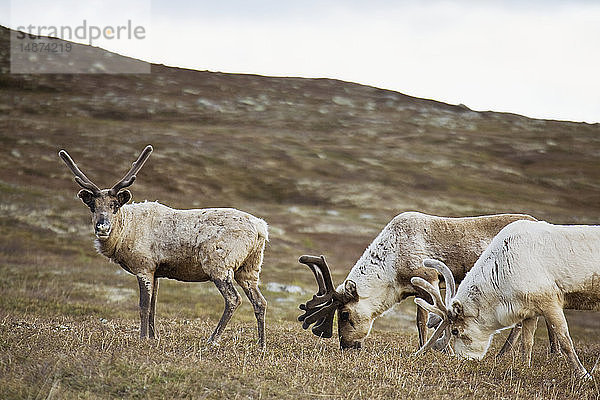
538 58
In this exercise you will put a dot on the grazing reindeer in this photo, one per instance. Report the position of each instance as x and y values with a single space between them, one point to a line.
529 269
152 241
381 277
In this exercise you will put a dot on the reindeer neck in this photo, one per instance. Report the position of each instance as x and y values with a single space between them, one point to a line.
376 286
384 300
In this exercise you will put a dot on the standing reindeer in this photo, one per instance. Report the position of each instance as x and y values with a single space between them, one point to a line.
152 241
382 276
529 269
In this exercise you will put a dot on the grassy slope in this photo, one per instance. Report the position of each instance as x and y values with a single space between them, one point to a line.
326 163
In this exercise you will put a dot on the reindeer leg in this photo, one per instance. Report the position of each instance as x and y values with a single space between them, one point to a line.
421 327
529 326
558 323
146 283
514 334
153 331
232 302
554 345
260 306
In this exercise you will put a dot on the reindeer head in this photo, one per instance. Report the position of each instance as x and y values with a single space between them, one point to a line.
470 338
105 204
354 323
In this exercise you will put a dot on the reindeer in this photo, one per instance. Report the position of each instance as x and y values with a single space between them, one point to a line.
152 241
382 276
529 269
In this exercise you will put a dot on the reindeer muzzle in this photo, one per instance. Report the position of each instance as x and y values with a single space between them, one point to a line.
102 229
351 345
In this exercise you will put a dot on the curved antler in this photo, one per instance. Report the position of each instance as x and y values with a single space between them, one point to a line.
320 310
440 338
80 177
437 308
446 273
129 177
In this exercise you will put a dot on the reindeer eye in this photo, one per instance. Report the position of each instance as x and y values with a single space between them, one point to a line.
344 315
454 332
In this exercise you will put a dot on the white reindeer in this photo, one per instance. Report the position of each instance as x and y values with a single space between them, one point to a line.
152 241
382 276
529 269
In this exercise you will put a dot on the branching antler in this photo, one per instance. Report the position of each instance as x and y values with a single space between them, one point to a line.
129 178
320 310
446 273
437 308
440 338
80 177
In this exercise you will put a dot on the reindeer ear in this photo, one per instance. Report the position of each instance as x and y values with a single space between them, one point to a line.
87 197
456 310
123 197
350 291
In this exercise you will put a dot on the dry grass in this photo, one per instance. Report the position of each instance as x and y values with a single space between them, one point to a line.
86 357
69 329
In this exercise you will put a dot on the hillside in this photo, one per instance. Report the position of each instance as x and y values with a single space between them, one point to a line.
326 163
318 158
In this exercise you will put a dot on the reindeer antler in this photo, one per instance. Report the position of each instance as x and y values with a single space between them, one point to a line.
320 310
440 338
129 177
446 273
80 177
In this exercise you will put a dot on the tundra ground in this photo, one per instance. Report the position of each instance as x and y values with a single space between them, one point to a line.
69 330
